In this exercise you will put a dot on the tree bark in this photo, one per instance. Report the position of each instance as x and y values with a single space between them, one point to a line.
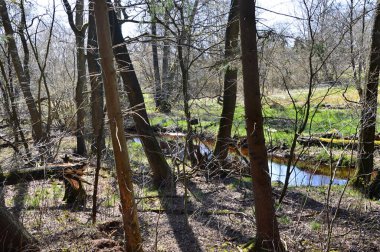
81 81
123 170
364 163
79 30
38 173
166 86
161 171
156 67
22 76
267 233
13 235
230 85
97 103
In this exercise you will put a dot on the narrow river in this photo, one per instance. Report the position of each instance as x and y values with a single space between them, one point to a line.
300 177
277 172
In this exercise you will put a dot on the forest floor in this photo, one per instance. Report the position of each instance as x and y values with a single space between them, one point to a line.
218 215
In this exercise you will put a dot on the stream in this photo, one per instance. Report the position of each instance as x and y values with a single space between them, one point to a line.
277 171
298 177
301 177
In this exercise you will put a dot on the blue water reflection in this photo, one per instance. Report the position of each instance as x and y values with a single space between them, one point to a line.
299 177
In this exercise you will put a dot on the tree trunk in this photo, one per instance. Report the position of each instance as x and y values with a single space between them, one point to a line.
364 163
161 170
230 85
81 81
22 76
166 86
267 233
123 170
156 67
13 236
352 52
97 103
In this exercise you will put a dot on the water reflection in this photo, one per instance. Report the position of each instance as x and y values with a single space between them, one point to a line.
277 171
299 177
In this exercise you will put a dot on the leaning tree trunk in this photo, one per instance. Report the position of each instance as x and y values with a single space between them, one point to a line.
123 170
97 103
230 85
13 236
161 170
22 76
267 233
364 163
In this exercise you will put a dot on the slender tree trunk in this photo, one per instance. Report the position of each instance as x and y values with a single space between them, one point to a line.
230 85
11 109
97 103
352 52
22 76
156 67
124 174
364 164
267 233
79 30
161 171
166 83
186 98
13 236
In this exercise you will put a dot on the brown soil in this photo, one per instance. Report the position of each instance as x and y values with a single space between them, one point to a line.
220 216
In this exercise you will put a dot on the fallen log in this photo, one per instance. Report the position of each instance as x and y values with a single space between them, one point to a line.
38 173
71 174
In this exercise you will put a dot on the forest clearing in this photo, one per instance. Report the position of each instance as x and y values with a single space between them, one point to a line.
189 126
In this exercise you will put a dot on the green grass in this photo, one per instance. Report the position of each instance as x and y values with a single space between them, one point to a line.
315 226
278 111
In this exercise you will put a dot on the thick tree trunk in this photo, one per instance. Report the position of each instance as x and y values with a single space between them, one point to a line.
97 103
81 80
364 163
123 170
13 236
22 76
267 233
161 171
230 85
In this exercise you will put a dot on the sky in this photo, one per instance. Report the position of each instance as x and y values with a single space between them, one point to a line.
266 18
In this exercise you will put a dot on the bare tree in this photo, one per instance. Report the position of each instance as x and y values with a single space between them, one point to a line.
267 233
161 170
124 174
22 72
364 164
79 29
230 84
95 81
